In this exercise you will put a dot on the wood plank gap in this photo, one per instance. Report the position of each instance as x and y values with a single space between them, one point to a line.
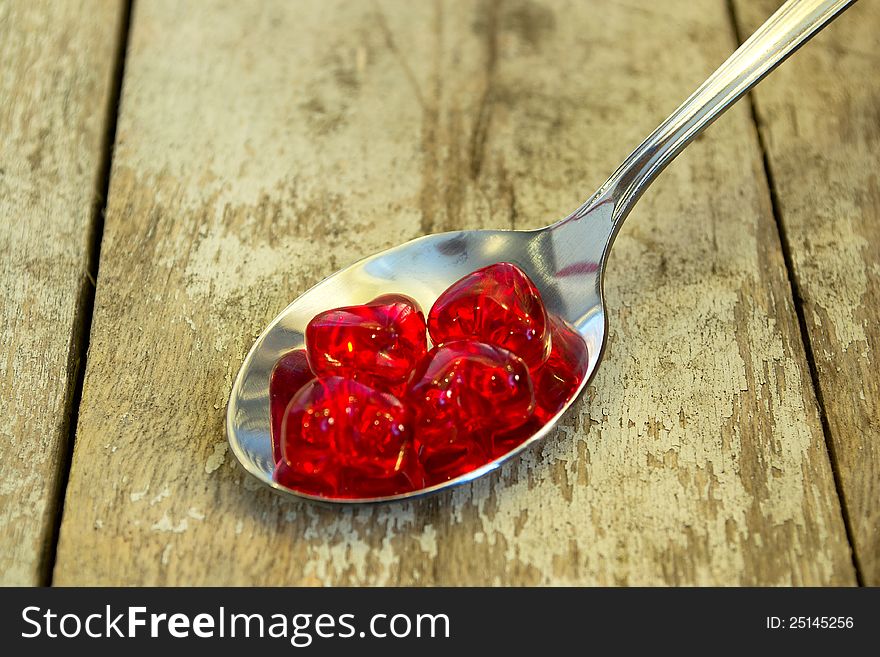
797 299
78 352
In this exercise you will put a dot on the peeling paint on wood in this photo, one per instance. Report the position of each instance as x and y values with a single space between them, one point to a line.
56 67
262 146
820 122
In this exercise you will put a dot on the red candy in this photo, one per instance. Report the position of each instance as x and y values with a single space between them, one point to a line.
498 305
385 416
378 343
463 392
290 373
504 441
560 376
341 438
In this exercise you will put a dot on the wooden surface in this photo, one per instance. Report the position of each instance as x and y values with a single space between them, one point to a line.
261 146
56 66
820 121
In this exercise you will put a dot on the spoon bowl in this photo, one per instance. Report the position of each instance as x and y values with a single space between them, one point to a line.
422 269
566 260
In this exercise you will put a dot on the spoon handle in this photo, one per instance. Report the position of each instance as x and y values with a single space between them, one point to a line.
793 24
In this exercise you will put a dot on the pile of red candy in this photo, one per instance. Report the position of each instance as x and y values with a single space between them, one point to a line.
368 410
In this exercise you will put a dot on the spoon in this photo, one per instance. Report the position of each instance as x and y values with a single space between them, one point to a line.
566 260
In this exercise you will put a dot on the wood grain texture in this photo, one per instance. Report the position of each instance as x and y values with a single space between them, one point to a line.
56 70
820 122
264 146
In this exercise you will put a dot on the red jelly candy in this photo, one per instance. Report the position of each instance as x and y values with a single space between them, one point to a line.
290 373
504 441
560 376
341 438
498 305
461 393
555 383
377 344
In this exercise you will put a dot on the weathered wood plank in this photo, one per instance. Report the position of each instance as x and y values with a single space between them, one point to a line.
264 146
820 122
56 72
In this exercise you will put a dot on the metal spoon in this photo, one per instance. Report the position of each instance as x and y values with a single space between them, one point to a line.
566 260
